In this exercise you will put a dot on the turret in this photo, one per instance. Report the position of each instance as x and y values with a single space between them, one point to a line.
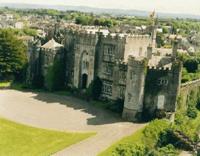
133 105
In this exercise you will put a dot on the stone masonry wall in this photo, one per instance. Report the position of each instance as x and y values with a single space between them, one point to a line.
134 95
185 91
161 90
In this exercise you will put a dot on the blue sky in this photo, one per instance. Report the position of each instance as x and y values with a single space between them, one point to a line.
170 6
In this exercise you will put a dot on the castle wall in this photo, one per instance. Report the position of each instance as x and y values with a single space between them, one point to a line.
109 50
84 60
144 90
69 43
119 81
185 92
161 89
133 105
33 67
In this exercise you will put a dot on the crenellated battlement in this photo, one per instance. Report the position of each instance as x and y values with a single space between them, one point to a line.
109 36
82 33
132 61
83 37
86 34
122 65
136 36
159 68
118 36
120 62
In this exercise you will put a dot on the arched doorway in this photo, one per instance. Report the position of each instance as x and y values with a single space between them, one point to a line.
84 81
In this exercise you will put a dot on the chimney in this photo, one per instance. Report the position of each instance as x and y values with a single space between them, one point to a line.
149 52
174 48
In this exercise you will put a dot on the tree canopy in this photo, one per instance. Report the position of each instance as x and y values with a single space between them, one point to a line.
12 55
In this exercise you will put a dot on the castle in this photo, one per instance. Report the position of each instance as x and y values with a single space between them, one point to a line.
129 66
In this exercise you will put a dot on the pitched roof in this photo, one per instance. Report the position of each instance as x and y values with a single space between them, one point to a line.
51 44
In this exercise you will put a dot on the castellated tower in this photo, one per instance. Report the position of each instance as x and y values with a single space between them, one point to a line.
133 105
84 59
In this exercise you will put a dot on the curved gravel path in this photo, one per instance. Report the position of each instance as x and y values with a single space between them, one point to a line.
64 113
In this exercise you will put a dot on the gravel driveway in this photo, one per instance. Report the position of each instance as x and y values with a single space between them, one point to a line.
64 113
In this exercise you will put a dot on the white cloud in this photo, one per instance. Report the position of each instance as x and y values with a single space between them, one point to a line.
174 6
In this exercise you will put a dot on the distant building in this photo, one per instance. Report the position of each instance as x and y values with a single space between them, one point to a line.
19 25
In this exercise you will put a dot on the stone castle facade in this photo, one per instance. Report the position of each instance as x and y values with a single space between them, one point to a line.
129 66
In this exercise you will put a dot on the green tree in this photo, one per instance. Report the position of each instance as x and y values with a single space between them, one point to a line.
191 65
83 19
13 57
30 32
160 40
108 23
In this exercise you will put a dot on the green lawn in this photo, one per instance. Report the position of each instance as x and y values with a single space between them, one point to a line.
134 138
20 140
5 84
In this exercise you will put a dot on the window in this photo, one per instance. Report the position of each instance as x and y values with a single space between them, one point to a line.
85 65
107 88
108 52
122 76
162 82
132 73
140 51
129 97
108 69
121 92
109 49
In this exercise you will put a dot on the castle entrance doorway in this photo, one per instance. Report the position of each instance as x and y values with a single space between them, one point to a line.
84 81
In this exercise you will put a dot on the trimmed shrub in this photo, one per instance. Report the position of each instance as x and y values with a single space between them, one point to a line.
168 150
191 65
192 112
130 150
175 138
153 130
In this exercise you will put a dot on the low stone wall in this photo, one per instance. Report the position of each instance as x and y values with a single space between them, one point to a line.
185 91
190 85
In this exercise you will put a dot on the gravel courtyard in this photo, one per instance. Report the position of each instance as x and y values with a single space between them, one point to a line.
64 113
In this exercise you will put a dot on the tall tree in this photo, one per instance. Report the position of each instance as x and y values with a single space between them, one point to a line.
12 55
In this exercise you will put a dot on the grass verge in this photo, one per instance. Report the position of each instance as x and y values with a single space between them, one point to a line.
132 139
5 84
17 139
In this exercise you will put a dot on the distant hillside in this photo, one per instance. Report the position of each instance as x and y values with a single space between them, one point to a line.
114 12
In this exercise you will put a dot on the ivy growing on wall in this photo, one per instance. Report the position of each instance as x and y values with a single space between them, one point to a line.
94 89
193 101
55 77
